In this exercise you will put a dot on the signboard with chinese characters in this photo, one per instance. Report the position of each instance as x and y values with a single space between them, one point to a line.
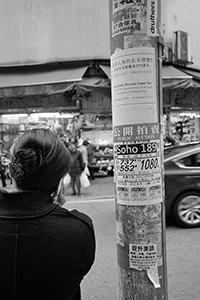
144 257
138 164
138 16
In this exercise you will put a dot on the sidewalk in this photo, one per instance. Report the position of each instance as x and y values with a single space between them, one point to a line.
101 187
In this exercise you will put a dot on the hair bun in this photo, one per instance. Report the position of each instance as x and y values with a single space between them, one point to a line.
41 159
29 159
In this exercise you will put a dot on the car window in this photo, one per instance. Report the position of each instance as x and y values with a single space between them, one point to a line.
178 149
191 160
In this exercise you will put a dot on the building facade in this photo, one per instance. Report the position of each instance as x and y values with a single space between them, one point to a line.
182 15
55 55
46 31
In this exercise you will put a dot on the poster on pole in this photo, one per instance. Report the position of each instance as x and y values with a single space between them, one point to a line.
135 16
129 16
144 257
134 86
138 164
136 129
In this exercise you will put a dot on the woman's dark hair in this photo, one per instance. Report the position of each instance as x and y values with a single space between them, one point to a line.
39 159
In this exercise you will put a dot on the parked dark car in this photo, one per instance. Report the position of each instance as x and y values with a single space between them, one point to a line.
182 184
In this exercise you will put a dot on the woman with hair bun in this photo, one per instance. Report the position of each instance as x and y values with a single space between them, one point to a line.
45 250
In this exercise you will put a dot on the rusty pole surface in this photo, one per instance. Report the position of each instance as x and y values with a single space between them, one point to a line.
136 77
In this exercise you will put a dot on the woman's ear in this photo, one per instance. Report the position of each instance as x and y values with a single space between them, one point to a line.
59 197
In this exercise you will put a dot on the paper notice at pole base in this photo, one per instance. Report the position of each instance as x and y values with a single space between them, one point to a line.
144 257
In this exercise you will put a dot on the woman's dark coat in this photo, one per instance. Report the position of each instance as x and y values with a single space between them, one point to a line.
45 250
77 165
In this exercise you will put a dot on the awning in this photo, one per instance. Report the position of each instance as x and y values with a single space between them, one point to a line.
38 77
194 73
191 72
38 81
84 89
169 72
95 81
173 78
106 70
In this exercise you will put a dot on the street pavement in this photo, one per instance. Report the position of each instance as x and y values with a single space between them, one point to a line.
100 187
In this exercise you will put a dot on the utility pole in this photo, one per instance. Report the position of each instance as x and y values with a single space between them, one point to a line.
136 77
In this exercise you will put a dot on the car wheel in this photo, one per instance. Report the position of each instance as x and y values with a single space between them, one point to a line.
186 211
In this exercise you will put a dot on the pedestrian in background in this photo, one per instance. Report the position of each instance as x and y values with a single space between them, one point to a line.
4 162
83 149
2 173
46 250
90 154
77 166
3 152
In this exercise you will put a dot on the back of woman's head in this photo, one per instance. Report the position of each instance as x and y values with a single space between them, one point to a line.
39 159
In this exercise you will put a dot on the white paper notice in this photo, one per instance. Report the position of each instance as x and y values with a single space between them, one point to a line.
144 257
134 84
138 164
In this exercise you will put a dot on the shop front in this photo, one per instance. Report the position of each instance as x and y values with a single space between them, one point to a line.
24 94
75 102
181 103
